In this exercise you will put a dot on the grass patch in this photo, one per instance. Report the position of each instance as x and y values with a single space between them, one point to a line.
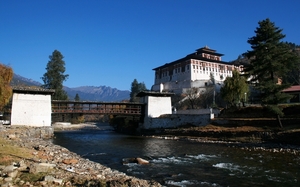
81 181
10 153
33 177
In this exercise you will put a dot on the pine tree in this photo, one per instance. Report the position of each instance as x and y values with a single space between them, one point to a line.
136 87
270 61
76 105
6 75
77 98
54 77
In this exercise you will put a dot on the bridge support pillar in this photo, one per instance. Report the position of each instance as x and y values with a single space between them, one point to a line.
157 104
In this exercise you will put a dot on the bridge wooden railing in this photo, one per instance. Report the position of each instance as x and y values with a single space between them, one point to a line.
88 107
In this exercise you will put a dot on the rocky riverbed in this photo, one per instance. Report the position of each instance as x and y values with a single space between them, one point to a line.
38 162
42 163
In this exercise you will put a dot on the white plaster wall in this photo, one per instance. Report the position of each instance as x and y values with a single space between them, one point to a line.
181 76
180 87
31 110
157 106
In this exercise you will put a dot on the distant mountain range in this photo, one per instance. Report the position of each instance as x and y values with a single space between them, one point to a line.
86 93
100 93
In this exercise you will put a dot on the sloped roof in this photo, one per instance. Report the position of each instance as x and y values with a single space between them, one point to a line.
295 88
152 93
197 56
32 90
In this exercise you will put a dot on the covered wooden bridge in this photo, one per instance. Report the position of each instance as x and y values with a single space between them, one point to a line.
94 107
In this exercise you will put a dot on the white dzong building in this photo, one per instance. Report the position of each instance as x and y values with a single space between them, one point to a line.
194 70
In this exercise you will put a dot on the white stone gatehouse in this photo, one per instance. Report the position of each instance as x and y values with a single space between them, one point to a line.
158 112
157 103
31 107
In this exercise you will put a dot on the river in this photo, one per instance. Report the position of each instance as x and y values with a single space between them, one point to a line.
184 163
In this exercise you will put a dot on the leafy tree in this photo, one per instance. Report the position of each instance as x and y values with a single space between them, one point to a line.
175 100
192 95
136 87
54 77
207 97
270 61
77 98
6 75
235 89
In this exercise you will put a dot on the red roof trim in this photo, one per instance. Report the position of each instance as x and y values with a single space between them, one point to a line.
295 88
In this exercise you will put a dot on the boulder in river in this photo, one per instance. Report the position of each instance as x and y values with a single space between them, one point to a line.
137 160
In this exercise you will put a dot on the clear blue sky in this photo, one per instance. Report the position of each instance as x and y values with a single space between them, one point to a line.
113 42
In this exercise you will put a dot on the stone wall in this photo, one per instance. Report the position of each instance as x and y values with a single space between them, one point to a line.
25 131
176 120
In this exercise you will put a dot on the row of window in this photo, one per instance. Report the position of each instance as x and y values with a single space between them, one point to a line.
196 67
213 57
225 73
215 73
210 68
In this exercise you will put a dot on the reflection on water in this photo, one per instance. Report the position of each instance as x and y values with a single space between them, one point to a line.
182 163
155 147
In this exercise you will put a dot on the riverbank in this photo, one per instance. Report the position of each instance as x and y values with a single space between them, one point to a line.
253 124
252 136
32 161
